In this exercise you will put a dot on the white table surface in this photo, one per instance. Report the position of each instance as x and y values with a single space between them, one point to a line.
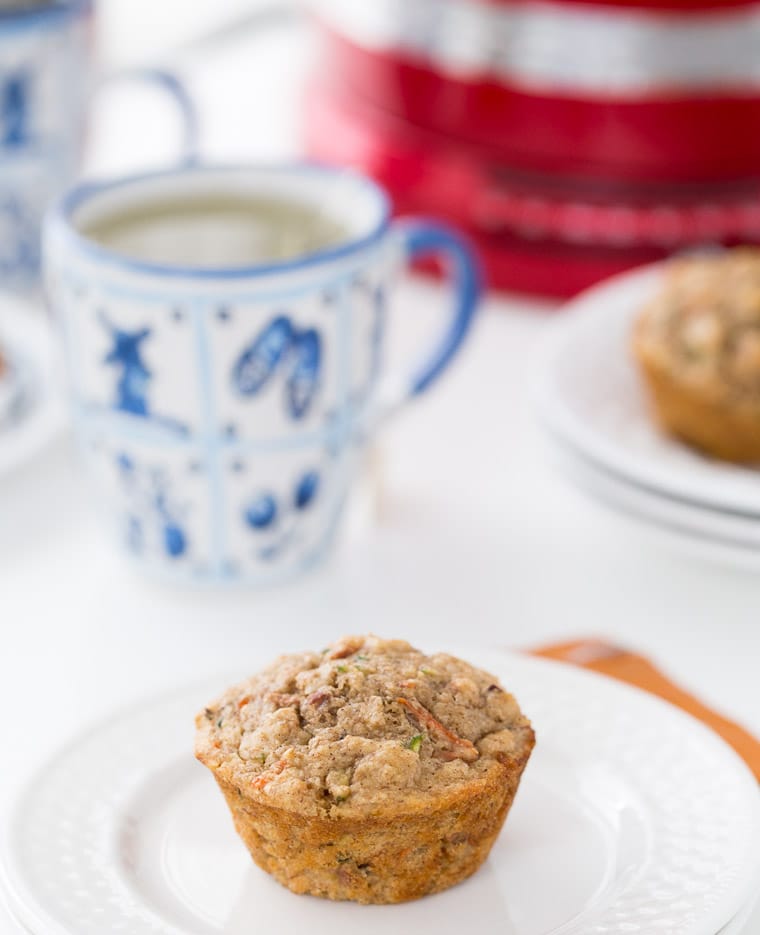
466 533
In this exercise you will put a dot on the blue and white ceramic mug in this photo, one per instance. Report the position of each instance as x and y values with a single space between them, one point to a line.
221 410
46 78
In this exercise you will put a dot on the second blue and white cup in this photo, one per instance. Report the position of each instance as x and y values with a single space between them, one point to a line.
46 82
225 337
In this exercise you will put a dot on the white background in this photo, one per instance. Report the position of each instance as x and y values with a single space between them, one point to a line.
461 531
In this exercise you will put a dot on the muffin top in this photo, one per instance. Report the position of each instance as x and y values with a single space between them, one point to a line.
704 324
366 725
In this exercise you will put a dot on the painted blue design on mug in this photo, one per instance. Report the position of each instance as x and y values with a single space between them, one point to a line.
280 345
19 254
150 507
303 382
134 534
306 490
14 109
257 364
126 354
265 514
261 513
125 464
175 542
173 535
270 552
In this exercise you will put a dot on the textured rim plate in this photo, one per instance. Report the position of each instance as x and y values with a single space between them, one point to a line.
26 339
633 816
678 527
737 925
589 393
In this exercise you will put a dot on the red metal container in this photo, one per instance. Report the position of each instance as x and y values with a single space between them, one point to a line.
570 139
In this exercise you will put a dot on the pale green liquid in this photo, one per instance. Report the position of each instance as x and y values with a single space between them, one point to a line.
216 231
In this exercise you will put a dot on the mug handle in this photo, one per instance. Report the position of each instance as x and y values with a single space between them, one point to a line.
170 84
421 238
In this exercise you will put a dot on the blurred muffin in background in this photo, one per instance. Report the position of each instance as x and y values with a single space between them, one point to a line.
697 343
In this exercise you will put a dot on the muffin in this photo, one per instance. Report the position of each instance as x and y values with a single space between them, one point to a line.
368 771
697 343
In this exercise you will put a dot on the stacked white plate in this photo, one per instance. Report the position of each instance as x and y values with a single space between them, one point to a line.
593 406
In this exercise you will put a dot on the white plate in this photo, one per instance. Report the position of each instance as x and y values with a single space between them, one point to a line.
632 817
589 393
36 392
730 527
738 925
676 526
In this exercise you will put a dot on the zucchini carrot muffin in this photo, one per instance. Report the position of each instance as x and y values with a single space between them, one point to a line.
698 346
368 771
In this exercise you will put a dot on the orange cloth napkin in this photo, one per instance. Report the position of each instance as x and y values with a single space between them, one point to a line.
630 667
